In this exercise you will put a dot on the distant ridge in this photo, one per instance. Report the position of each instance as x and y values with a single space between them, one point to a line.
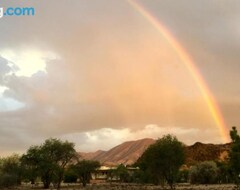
125 153
91 155
128 152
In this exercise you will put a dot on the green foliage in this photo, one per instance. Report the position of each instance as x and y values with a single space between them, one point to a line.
204 173
121 173
224 172
10 171
183 176
234 135
70 176
8 180
83 169
140 176
49 161
110 174
234 156
162 160
30 163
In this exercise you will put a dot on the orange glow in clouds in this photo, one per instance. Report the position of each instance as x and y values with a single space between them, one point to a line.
189 64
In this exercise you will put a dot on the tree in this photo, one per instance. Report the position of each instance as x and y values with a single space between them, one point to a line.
234 156
110 174
49 161
224 172
140 176
10 171
204 173
84 168
163 159
30 162
122 173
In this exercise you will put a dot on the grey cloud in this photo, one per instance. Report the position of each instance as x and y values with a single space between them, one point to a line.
114 71
4 69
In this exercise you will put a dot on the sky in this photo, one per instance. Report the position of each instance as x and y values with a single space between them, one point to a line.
98 73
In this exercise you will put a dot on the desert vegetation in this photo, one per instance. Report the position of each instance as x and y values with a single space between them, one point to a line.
160 163
56 164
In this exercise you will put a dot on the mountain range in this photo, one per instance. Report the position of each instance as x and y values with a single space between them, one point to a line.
128 152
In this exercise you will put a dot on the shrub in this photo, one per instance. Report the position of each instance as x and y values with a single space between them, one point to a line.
70 176
204 173
183 176
7 180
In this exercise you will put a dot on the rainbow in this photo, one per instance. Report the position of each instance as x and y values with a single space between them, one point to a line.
189 64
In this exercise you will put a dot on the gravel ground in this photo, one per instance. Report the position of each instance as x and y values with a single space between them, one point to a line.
135 187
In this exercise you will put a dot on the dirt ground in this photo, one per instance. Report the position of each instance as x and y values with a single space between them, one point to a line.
133 187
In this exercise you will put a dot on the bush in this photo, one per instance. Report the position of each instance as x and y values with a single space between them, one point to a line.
122 173
140 176
204 173
7 180
183 176
10 171
70 177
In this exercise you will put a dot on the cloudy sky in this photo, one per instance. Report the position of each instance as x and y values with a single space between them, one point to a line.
98 73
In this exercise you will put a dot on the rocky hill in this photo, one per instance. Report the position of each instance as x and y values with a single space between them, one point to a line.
125 153
202 152
128 152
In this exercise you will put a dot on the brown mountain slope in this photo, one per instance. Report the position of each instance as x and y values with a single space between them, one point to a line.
125 153
202 152
91 155
128 152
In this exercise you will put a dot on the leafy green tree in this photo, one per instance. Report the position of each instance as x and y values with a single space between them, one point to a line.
234 156
163 159
49 161
83 169
204 173
56 154
30 162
